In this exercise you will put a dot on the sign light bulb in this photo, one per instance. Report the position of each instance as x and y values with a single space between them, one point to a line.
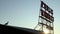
46 31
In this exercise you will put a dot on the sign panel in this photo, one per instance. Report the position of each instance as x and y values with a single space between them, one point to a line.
46 13
43 5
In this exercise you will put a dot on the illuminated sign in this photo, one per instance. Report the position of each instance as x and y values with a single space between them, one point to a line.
47 13
43 5
43 13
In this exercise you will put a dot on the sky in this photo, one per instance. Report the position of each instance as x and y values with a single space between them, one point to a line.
24 13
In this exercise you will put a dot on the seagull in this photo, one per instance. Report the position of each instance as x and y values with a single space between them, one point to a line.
6 23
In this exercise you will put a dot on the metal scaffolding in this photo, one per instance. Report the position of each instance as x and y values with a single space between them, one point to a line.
46 19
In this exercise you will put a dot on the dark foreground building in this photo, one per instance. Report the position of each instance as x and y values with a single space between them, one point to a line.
17 30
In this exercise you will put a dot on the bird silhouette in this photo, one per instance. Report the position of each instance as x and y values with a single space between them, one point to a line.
7 23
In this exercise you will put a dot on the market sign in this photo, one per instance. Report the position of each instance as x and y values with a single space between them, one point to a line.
47 12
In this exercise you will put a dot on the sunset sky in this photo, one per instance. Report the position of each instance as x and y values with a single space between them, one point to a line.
24 13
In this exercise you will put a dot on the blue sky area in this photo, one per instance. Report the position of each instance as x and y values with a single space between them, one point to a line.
24 13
